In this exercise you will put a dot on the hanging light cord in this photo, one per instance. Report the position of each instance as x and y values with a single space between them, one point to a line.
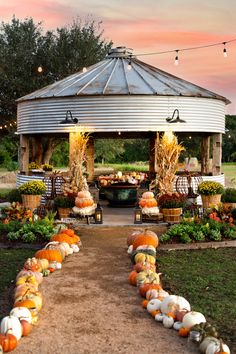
185 49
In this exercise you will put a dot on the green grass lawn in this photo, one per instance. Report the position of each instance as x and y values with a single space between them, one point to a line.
229 170
206 278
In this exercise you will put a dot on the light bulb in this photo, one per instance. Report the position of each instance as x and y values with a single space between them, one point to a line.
84 69
177 58
225 53
40 69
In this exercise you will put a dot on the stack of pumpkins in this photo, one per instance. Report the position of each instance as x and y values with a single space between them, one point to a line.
27 297
172 311
84 204
148 204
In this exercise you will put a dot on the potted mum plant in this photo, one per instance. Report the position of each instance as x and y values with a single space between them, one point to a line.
64 204
228 199
171 205
210 192
31 193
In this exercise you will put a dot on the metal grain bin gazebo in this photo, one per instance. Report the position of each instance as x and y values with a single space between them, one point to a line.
123 95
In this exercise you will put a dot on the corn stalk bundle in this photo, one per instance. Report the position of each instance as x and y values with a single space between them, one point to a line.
167 154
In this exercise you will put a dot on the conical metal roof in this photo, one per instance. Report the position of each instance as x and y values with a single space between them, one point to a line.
115 76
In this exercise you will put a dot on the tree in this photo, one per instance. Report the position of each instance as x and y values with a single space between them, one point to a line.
229 139
108 150
24 47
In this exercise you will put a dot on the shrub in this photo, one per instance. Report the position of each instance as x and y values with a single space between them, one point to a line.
47 167
33 166
64 202
33 187
14 196
210 188
172 200
229 195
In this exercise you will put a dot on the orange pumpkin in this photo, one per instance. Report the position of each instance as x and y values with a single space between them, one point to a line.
142 203
26 327
184 332
65 238
8 342
132 237
69 232
29 304
83 202
151 203
132 278
145 239
50 255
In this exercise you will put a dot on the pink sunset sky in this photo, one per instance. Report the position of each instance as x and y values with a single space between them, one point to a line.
154 26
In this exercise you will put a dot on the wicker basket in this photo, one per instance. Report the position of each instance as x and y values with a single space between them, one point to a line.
172 215
209 201
229 206
31 201
64 212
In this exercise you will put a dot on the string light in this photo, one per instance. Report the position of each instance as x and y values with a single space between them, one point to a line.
177 57
189 48
5 126
225 50
40 69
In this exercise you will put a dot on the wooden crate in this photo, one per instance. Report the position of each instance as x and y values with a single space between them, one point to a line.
152 218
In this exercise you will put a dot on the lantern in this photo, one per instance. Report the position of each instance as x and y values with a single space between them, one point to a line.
137 215
98 214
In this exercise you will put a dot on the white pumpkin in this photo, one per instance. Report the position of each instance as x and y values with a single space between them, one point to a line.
130 249
192 318
153 305
11 325
22 313
1 350
168 321
75 248
54 264
215 347
206 342
177 325
152 294
159 317
173 303
71 251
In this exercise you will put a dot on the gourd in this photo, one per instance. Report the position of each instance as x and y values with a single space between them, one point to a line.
146 247
29 304
54 265
206 341
147 251
174 303
44 263
139 267
205 329
145 287
22 313
168 321
26 327
65 247
11 325
132 278
21 290
192 318
35 297
50 255
153 305
8 342
148 276
27 279
25 272
145 239
148 195
32 264
75 248
84 194
143 257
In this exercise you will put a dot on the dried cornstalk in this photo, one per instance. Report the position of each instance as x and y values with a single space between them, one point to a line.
167 154
79 158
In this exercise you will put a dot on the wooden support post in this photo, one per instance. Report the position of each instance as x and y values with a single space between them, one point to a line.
216 154
205 154
152 154
24 153
90 159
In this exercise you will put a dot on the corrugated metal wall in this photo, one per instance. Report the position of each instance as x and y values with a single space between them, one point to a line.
122 113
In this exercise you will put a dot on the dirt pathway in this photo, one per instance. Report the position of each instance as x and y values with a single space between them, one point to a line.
89 307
